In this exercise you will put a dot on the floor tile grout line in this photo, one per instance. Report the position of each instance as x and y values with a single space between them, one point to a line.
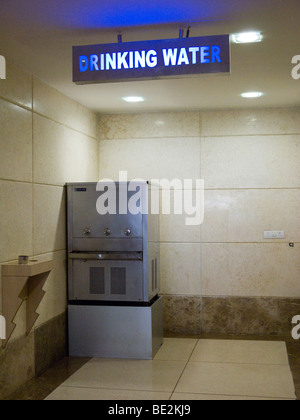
183 370
236 395
113 389
172 393
239 363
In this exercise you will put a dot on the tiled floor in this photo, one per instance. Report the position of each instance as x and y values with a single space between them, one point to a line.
188 369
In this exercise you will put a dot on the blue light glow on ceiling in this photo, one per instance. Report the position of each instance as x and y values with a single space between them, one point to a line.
92 14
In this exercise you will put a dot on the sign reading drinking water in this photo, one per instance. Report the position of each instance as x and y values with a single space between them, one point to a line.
151 59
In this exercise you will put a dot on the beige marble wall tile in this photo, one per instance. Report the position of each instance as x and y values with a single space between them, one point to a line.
251 162
248 315
17 87
251 122
250 270
55 300
62 155
50 343
244 215
16 365
15 220
175 227
53 104
15 142
182 315
49 217
149 125
150 158
180 269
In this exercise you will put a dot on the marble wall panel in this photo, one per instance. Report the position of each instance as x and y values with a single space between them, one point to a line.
49 207
250 316
148 159
16 222
61 154
251 122
251 162
16 365
17 87
230 269
182 315
58 107
244 215
15 142
149 125
180 269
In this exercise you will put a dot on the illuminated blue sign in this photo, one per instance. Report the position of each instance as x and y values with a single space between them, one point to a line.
151 59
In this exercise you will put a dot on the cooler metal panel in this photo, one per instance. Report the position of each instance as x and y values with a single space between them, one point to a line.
130 332
88 271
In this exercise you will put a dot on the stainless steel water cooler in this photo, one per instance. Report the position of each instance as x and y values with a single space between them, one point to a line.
114 308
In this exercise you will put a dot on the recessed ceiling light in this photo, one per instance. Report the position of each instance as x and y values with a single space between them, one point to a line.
133 99
252 94
246 37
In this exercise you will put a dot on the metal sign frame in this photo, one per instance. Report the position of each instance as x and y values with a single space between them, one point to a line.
142 60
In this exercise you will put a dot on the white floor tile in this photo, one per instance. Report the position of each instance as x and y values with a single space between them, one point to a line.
144 375
176 349
237 379
240 351
188 369
81 394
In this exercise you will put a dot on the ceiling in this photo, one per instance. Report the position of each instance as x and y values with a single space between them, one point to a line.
38 36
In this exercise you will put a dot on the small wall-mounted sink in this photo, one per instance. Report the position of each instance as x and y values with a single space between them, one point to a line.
23 282
33 268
